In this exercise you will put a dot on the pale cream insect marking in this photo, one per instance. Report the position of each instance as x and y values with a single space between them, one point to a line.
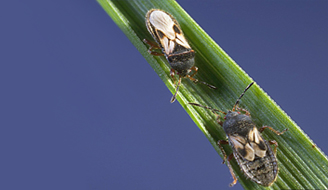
249 152
248 149
164 23
242 147
255 141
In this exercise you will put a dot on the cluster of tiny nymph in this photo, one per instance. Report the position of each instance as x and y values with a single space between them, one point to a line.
253 153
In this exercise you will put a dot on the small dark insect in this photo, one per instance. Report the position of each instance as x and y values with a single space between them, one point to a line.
167 33
253 154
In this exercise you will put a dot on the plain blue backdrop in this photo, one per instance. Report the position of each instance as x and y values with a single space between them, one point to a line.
80 108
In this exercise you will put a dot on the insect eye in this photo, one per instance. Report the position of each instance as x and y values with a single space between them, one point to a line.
176 29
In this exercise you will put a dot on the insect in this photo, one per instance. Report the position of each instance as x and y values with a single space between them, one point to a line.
169 38
252 153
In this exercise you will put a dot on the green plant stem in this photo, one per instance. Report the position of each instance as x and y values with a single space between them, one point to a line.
302 165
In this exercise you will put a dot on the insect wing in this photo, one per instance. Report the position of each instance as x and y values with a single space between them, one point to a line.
166 29
249 147
242 147
257 142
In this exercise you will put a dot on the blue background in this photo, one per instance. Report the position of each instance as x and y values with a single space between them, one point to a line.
82 109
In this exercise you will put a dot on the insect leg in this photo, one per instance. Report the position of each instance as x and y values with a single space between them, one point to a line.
195 69
176 91
228 163
231 171
230 157
218 119
196 80
275 146
244 110
172 73
277 132
153 46
222 150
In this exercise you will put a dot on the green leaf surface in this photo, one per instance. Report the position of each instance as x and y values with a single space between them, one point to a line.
302 165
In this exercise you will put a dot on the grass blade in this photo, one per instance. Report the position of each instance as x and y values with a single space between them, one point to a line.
302 166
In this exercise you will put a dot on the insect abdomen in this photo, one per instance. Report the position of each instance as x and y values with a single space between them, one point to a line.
261 170
182 62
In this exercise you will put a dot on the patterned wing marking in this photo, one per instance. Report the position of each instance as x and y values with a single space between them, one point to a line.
167 31
257 142
243 148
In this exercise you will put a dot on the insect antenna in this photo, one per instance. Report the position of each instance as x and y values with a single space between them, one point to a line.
206 107
176 91
237 102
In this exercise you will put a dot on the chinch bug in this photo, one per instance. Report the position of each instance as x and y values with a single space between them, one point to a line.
167 33
253 153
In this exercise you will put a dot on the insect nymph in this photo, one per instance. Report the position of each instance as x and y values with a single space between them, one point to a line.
168 35
252 153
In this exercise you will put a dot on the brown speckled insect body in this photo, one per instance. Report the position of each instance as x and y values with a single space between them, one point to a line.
252 153
169 38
